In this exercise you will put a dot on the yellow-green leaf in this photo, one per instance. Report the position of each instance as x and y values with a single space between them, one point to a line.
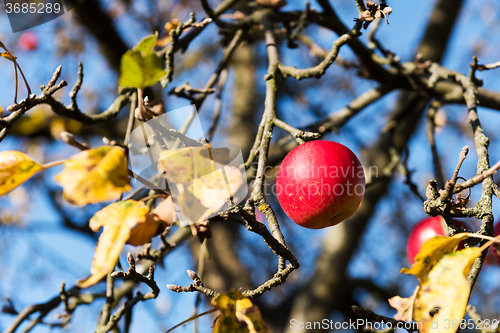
237 314
141 67
146 44
95 175
15 169
185 164
445 288
117 219
431 252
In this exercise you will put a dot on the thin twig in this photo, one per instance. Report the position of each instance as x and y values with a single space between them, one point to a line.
451 183
106 310
301 25
218 103
76 88
197 285
320 69
299 135
192 318
488 66
136 276
131 118
477 179
431 127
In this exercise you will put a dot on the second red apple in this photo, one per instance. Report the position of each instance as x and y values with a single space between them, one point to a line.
426 229
28 41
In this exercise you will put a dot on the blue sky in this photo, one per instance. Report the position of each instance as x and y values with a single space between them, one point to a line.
40 245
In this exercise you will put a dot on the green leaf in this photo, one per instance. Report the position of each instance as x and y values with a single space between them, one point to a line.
146 44
141 67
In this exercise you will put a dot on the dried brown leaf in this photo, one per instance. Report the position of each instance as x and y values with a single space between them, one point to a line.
404 306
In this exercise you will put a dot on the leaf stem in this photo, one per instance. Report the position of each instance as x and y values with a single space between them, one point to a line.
488 244
53 164
154 196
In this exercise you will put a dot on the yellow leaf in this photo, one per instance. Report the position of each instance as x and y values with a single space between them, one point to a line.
204 181
154 224
95 175
404 306
250 314
185 164
15 169
445 288
143 232
237 314
431 252
190 207
117 219
212 190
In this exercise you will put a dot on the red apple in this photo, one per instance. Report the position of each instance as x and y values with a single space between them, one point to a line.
320 184
28 41
426 229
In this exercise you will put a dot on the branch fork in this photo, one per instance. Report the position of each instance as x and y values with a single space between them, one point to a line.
132 274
